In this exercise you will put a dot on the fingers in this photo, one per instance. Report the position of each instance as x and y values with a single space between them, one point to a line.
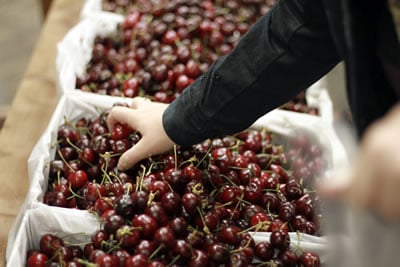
138 101
146 147
133 156
120 115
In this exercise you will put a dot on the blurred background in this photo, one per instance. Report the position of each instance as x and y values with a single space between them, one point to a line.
20 23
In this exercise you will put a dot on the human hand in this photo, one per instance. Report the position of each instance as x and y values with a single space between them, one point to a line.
374 181
146 117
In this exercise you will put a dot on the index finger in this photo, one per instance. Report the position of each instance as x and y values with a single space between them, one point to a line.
120 114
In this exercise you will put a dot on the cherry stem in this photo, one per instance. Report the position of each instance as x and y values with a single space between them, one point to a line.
298 247
191 160
113 174
73 193
63 159
256 227
223 205
204 157
74 146
237 205
205 227
198 189
229 180
140 181
155 252
174 260
86 263
151 198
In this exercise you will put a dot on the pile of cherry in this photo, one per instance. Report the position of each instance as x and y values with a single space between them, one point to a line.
160 49
192 206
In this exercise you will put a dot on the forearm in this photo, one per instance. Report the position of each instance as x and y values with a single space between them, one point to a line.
283 53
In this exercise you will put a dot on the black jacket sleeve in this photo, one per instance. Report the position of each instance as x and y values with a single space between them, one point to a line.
286 51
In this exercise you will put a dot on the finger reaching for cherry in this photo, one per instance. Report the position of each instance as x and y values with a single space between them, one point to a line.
146 117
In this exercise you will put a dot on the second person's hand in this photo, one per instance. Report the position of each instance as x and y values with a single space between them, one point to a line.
146 117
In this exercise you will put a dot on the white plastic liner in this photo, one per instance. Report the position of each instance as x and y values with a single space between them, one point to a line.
36 218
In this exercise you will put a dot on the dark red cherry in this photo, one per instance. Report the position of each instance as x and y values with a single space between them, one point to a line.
280 239
309 259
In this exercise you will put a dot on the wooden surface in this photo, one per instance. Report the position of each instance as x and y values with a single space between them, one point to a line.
30 113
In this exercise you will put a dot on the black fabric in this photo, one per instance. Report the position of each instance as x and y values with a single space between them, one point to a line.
286 51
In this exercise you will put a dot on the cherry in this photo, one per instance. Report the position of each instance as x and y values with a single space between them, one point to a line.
175 178
164 235
229 194
288 258
293 189
102 205
298 223
157 212
182 81
182 248
159 188
147 223
131 20
96 253
124 206
76 251
190 202
77 179
170 37
98 238
239 259
309 259
170 202
277 224
192 173
37 260
287 211
127 236
192 69
67 134
252 192
179 226
260 218
218 252
105 260
145 247
112 223
57 199
195 239
279 239
210 219
49 244
230 235
160 72
139 199
87 156
305 206
264 251
137 260
199 259
120 256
